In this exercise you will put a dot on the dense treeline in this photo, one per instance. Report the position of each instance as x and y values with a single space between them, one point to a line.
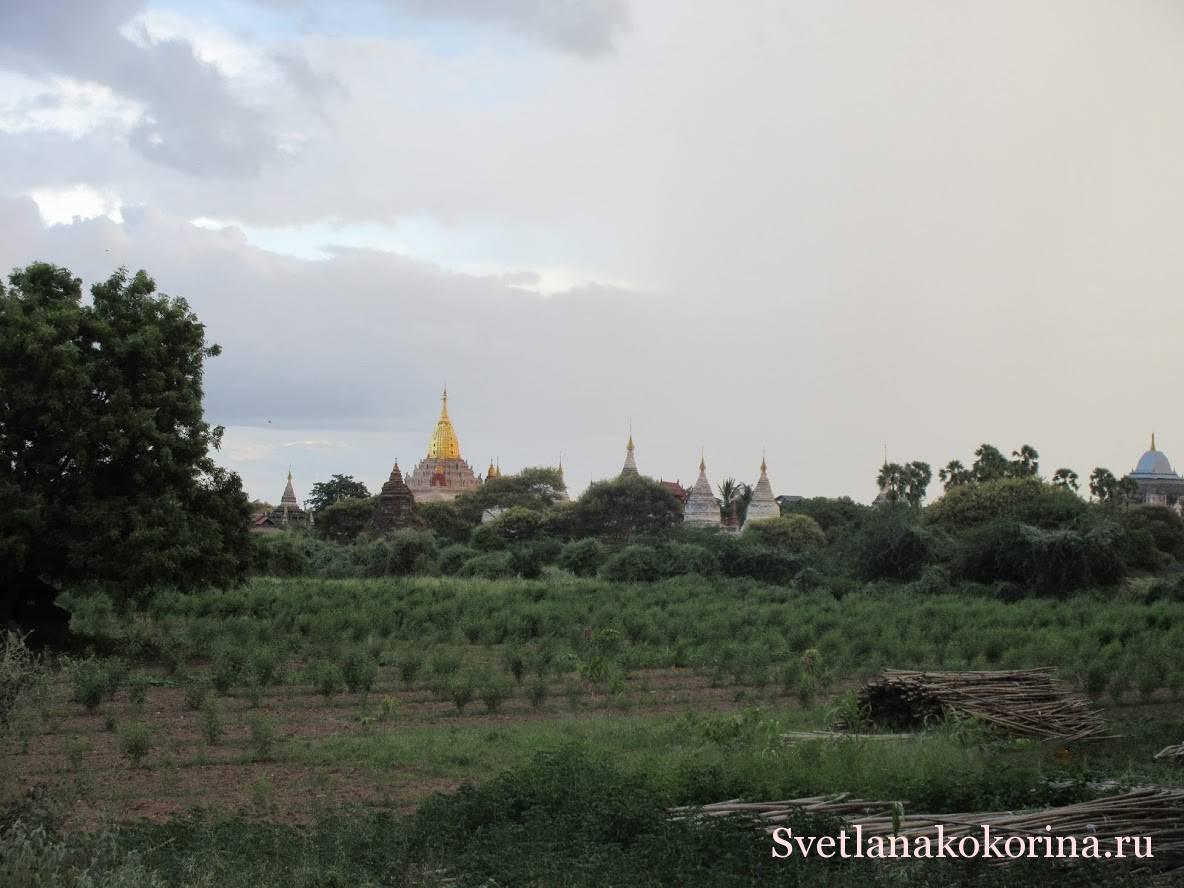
1007 533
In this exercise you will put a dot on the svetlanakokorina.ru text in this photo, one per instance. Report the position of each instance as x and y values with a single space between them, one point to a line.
988 846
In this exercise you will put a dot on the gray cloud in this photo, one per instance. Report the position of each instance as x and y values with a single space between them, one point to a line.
192 123
582 27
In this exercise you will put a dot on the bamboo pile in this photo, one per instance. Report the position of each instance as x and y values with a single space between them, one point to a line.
807 736
1172 755
1025 703
1151 812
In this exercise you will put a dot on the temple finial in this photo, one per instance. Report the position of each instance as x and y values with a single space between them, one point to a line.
764 468
290 465
1153 440
702 461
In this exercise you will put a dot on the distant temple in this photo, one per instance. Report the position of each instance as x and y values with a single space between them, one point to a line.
764 504
394 508
701 509
1158 483
442 474
287 514
630 467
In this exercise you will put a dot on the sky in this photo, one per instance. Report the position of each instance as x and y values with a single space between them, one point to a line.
811 229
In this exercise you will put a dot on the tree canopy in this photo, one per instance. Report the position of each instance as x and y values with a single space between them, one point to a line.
338 487
624 510
106 475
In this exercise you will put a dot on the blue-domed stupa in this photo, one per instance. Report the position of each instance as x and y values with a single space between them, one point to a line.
1158 483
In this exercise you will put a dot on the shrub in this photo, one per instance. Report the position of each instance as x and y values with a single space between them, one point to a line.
492 566
326 678
583 557
633 564
196 690
793 534
262 736
89 682
515 662
461 692
137 688
1022 500
409 665
537 693
135 741
526 562
1165 527
494 692
890 548
510 528
452 558
358 671
211 722
677 559
265 664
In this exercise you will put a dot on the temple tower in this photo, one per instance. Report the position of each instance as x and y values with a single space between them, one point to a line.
630 467
442 474
702 509
288 512
764 504
395 507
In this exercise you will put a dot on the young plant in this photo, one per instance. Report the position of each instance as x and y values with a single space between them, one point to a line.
493 693
137 689
359 671
461 692
409 665
196 691
262 737
538 694
135 741
211 722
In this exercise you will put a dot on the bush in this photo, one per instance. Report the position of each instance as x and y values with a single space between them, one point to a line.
1020 500
1050 562
409 665
345 520
211 722
261 736
358 671
890 548
494 692
135 741
793 534
633 564
677 559
538 693
196 690
512 527
326 678
1165 527
461 693
137 688
583 557
493 566
89 682
526 562
452 558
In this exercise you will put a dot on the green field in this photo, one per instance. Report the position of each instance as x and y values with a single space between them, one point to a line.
294 727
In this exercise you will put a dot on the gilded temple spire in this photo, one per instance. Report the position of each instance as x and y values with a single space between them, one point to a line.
444 443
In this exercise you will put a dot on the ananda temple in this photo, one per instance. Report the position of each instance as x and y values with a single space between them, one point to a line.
443 474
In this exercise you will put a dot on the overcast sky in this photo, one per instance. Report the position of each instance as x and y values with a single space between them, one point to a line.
812 227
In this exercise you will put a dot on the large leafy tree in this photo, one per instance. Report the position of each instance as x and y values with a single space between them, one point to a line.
624 510
1110 489
338 487
905 483
106 476
532 488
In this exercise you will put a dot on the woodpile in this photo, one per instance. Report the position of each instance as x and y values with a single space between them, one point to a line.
1151 812
1172 755
1024 703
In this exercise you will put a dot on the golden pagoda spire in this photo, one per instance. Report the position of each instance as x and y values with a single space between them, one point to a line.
1153 440
444 443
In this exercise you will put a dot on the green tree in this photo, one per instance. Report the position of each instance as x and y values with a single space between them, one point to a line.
345 520
509 528
106 476
791 533
625 509
905 483
730 492
338 487
955 474
1025 463
1065 478
446 521
1109 489
989 464
532 488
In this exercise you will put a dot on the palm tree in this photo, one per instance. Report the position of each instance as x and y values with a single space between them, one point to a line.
729 492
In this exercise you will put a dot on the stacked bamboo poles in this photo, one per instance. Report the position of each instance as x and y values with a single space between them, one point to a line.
1025 703
1172 755
1153 812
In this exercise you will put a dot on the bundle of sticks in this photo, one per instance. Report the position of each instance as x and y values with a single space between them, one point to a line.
1152 812
1025 703
1173 755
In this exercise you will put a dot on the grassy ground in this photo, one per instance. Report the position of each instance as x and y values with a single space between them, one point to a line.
295 751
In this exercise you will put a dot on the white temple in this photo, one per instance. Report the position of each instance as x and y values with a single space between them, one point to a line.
764 504
701 509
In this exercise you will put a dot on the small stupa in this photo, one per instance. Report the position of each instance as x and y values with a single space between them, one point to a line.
630 467
763 504
702 509
395 508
